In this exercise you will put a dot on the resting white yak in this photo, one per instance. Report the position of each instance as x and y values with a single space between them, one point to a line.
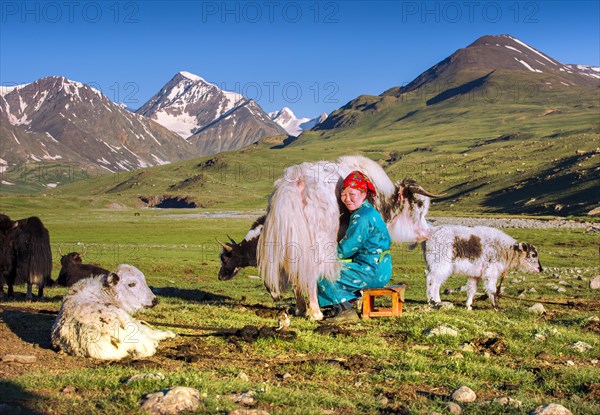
480 253
298 243
95 317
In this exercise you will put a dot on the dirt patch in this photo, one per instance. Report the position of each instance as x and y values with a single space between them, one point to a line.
492 345
333 330
592 326
28 333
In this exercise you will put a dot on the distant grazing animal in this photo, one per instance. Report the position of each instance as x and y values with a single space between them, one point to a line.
480 253
29 260
95 317
298 242
73 270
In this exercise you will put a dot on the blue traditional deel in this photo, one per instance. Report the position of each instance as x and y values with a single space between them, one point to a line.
365 256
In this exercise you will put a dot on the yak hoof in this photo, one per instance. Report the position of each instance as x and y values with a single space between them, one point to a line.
315 316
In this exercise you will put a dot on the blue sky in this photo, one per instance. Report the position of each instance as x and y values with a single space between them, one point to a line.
310 56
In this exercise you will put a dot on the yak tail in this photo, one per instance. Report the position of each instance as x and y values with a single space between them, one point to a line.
299 238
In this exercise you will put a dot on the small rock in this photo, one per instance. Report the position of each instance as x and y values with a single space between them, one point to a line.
594 361
383 401
543 356
563 283
19 358
561 290
464 394
570 363
507 401
243 377
442 330
68 389
453 408
448 291
537 308
245 398
551 409
444 305
452 353
172 401
582 346
532 290
286 376
145 376
595 282
248 412
467 347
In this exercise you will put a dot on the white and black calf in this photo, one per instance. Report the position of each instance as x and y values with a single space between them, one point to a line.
479 253
95 317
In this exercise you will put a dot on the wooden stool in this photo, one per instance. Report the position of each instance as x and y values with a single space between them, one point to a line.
396 292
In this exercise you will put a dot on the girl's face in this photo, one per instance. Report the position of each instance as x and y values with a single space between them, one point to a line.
353 198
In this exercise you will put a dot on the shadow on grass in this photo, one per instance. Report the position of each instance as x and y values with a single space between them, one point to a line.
459 90
15 400
558 183
197 296
30 327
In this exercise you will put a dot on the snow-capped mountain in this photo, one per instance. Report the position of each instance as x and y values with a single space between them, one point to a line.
208 117
495 61
57 119
506 53
293 125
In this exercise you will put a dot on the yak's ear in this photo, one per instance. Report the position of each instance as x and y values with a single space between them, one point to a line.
111 279
516 247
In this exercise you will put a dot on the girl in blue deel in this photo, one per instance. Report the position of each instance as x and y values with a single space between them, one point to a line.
364 251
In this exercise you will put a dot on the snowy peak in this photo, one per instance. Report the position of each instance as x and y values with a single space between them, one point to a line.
210 118
507 52
55 118
293 125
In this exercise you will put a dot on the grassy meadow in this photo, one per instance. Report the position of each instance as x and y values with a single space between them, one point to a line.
380 366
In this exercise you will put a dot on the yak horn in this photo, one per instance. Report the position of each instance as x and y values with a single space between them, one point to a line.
232 240
84 251
419 190
415 187
224 245
60 252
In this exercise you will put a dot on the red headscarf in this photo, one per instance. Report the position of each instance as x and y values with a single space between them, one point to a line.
357 180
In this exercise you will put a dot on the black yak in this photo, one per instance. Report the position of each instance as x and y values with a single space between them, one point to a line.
73 270
7 235
30 257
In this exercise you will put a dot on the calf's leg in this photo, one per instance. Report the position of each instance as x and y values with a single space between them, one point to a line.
471 290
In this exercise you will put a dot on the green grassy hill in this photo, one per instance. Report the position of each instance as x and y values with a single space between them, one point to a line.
534 154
